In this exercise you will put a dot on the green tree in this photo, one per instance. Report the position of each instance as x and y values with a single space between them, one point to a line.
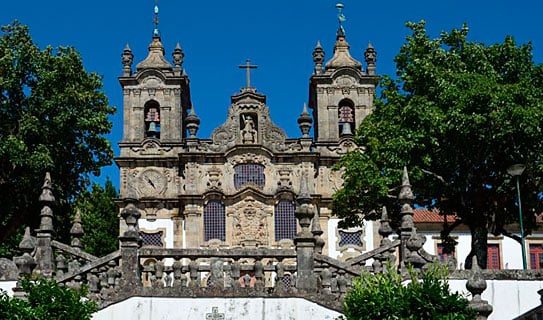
458 115
99 219
383 296
47 300
53 116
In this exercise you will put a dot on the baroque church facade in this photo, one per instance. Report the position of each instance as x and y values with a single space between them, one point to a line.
238 187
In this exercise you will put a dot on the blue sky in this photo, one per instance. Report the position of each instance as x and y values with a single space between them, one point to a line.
278 36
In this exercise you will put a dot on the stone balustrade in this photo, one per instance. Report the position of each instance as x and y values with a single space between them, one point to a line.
302 272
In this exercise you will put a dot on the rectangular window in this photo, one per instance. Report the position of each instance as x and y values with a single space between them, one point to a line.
493 256
249 174
443 255
285 221
350 238
151 239
214 221
536 256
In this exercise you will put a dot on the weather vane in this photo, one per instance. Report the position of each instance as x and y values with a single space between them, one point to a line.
155 21
341 17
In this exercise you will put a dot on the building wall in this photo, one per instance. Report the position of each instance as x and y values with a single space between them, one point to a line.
203 308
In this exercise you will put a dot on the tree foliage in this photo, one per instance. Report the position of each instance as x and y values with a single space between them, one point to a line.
383 296
458 114
99 219
53 116
47 300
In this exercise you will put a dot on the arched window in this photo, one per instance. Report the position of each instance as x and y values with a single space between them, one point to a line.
285 221
214 221
346 117
152 119
249 174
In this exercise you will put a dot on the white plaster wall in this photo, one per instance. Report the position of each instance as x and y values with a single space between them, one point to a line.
166 224
8 286
511 254
139 308
332 238
509 298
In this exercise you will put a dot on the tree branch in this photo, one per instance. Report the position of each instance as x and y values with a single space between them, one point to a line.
509 234
435 175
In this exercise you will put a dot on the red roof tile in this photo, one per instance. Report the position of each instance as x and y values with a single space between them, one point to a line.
422 215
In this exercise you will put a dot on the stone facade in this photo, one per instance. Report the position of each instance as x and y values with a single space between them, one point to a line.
248 168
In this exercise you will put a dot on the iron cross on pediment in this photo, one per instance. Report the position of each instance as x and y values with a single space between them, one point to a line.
215 315
248 66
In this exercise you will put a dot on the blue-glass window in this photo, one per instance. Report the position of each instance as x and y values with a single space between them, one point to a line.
249 174
285 221
214 221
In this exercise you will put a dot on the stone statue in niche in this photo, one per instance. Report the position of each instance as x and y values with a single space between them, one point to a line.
248 132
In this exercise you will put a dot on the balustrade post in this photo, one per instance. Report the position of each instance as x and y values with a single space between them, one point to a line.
476 285
25 263
407 226
130 243
305 241
44 251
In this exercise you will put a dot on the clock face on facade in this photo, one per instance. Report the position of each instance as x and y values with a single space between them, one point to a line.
151 182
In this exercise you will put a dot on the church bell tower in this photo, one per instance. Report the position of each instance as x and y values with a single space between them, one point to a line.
341 92
156 104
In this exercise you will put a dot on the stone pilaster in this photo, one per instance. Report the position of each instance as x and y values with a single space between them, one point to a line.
192 227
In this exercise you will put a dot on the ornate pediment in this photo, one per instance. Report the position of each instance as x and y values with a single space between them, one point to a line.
248 123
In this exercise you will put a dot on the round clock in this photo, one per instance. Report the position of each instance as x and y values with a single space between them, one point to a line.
151 182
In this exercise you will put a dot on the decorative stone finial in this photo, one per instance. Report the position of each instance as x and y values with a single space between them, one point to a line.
77 231
27 244
371 57
127 60
476 285
384 228
26 262
318 58
192 122
406 195
304 207
317 232
131 214
304 122
406 198
47 198
178 56
47 193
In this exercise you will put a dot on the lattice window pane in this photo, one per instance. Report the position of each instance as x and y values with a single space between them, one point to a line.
249 174
350 238
152 239
287 281
285 221
214 221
